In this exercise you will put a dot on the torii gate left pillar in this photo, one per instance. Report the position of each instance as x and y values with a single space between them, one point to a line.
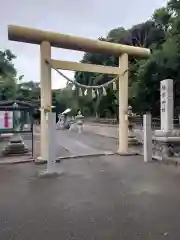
46 96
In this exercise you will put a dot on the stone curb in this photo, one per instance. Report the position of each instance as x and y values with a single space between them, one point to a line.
59 159
4 162
128 154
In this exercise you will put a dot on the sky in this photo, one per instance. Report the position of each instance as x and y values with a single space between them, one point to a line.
84 18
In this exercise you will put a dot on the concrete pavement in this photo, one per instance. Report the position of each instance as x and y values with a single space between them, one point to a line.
104 198
77 144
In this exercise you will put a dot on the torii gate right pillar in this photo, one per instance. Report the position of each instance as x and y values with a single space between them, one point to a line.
123 105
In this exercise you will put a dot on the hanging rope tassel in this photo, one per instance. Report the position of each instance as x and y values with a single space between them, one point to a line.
114 86
93 94
74 87
83 85
104 91
85 92
80 92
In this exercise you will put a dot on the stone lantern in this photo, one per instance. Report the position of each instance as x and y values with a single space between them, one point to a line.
131 135
79 121
16 144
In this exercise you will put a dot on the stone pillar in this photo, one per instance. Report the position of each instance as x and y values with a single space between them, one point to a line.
166 142
147 145
167 105
52 146
123 105
46 98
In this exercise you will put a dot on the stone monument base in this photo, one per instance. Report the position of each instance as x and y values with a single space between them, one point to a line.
132 140
166 145
15 146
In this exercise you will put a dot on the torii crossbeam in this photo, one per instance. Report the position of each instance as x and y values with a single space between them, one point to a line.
47 39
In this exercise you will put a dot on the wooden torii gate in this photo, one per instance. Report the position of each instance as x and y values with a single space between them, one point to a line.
47 39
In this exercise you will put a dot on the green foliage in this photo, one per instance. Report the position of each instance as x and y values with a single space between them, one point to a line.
7 75
6 65
161 33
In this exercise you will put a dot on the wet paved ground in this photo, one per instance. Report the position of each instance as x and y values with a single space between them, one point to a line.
85 142
108 198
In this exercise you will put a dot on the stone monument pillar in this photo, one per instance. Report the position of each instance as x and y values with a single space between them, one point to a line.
166 142
167 105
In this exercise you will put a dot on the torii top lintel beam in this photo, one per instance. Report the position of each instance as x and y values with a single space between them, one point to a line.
35 36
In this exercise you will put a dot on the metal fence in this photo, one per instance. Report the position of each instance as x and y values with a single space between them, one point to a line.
156 123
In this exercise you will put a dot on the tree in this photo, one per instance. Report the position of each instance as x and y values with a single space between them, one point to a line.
6 65
7 75
162 19
147 34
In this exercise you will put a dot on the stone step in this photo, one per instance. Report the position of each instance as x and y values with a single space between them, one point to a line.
15 148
